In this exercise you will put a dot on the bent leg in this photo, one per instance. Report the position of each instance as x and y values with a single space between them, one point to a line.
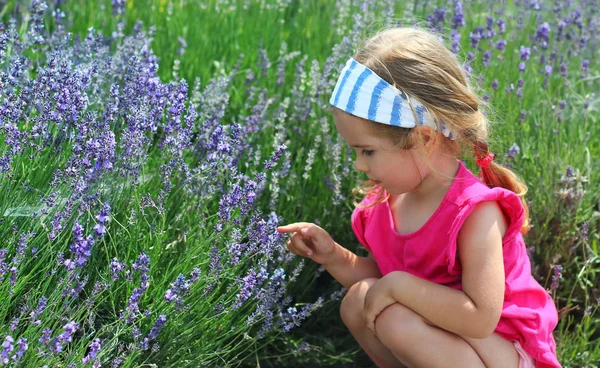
404 338
495 351
351 311
416 343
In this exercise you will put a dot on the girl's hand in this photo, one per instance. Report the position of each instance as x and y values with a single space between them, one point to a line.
309 240
378 297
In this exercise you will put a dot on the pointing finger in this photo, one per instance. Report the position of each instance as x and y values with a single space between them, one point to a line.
292 228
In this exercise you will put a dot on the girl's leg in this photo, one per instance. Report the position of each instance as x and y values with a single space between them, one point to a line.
404 337
418 344
351 311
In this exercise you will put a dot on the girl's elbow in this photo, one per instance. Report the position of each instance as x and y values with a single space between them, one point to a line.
487 324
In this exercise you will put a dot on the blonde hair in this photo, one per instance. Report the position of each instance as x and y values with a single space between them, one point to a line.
418 63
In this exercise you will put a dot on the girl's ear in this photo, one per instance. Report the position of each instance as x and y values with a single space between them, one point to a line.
427 135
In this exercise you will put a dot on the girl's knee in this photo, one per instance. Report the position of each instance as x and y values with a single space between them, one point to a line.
397 324
351 308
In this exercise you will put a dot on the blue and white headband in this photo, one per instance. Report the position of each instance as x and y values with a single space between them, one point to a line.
361 92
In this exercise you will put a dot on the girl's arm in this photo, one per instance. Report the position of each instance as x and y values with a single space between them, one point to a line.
348 268
310 240
475 311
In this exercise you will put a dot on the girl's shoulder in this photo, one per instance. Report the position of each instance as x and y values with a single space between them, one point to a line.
469 191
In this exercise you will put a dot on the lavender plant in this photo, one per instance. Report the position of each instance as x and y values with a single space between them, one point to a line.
131 236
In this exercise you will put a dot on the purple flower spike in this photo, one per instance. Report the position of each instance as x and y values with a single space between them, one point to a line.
525 53
522 116
513 151
585 66
556 277
118 7
81 248
542 35
562 104
94 349
70 329
501 45
160 322
458 20
7 348
22 348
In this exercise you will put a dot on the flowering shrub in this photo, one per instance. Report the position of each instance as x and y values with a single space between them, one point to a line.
129 209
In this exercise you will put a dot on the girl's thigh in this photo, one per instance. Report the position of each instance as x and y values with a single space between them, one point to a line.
495 351
417 343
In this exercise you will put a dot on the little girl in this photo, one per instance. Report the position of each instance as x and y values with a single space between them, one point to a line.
447 281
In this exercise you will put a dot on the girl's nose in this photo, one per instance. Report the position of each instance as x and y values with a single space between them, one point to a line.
359 165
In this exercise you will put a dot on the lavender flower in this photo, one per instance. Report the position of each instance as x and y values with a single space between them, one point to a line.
584 230
118 7
276 156
14 324
458 19
437 19
513 151
182 46
525 53
94 349
7 348
585 67
115 268
563 70
22 348
70 328
522 115
45 338
153 334
476 35
556 277
248 286
501 26
455 45
81 248
293 318
102 218
486 58
179 289
35 315
141 265
542 34
562 104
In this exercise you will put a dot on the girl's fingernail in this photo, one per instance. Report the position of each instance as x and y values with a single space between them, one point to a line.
309 254
304 231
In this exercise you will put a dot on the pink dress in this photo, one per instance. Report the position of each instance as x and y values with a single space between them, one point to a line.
528 314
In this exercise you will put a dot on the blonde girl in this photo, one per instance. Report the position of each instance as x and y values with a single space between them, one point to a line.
447 281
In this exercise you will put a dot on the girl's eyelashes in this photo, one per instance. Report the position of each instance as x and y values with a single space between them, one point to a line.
367 152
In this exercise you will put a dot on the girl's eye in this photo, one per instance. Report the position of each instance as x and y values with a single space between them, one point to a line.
367 152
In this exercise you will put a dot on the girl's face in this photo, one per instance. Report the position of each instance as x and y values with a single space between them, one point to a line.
396 170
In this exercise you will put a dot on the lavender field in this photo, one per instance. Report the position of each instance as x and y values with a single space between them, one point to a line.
150 148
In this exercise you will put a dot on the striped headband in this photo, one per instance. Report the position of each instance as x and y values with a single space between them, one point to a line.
361 92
